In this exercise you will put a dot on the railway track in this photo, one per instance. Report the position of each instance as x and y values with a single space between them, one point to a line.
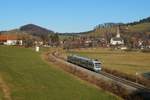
129 84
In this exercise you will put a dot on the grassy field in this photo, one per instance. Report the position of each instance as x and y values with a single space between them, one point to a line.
127 62
30 78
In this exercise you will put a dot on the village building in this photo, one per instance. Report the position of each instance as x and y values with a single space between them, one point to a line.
7 39
117 40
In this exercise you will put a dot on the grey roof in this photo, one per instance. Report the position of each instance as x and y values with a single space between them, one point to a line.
87 59
117 39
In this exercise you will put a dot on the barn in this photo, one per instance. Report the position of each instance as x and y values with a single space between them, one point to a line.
7 39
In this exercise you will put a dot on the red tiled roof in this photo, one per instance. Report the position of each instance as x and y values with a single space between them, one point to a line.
8 37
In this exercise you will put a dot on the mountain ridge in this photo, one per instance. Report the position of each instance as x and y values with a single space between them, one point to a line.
142 25
35 30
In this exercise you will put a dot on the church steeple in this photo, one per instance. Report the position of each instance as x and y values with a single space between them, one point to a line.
118 32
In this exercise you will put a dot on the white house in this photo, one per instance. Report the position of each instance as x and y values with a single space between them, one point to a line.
10 40
117 40
13 42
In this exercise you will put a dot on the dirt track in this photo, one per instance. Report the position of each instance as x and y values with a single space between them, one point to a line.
5 89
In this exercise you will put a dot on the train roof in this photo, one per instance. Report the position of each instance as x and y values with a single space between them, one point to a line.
88 59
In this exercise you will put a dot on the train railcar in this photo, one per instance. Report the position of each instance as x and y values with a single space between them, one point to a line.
85 62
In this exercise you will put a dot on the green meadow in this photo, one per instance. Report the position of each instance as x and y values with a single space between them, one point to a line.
29 77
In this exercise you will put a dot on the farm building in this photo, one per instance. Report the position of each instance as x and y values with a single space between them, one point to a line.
6 39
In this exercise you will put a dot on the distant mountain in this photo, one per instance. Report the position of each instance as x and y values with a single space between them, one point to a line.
36 30
32 30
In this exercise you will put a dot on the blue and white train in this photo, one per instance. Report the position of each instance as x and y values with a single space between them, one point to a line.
91 64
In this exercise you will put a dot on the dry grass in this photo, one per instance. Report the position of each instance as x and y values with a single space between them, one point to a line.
120 63
126 62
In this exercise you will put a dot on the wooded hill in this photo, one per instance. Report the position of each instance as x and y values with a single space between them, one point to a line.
35 30
32 30
142 26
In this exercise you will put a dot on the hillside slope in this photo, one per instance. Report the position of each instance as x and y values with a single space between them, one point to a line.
142 26
138 28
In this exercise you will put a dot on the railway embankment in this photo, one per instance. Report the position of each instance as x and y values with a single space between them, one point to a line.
122 89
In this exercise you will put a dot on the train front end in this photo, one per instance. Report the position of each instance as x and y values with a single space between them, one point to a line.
97 66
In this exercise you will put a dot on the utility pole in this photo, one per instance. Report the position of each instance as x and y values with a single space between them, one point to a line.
136 77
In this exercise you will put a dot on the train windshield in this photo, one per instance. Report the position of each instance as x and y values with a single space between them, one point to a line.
97 65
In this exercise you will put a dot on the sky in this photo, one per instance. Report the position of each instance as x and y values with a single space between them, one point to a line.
70 15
